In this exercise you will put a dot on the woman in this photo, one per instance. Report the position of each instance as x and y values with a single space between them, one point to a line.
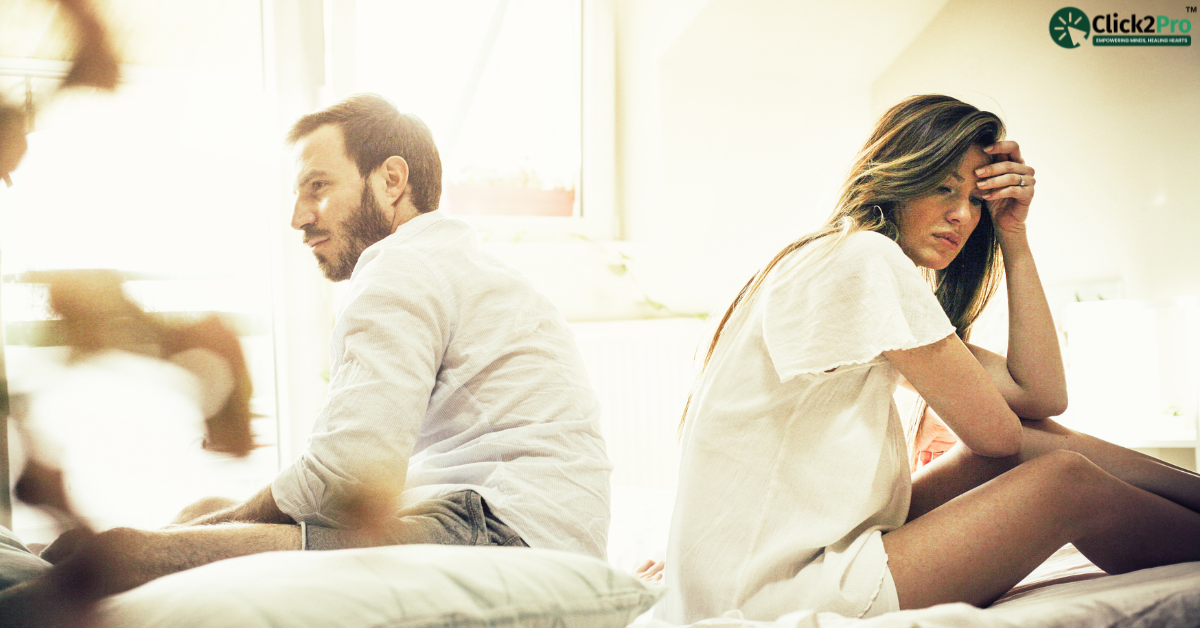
795 489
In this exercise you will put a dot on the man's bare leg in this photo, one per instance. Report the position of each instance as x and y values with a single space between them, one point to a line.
123 558
205 506
139 556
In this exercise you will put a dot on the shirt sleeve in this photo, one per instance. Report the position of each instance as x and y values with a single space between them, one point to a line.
847 305
387 347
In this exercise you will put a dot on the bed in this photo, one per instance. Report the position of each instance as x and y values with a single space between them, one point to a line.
433 586
1066 592
430 586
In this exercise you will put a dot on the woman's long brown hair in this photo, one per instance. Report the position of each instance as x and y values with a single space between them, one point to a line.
911 151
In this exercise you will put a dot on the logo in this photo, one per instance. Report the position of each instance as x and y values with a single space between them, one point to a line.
1069 27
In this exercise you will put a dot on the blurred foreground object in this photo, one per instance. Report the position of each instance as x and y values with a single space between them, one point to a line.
95 64
98 316
67 601
12 140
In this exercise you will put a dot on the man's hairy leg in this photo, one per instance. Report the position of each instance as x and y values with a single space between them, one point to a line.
205 506
139 556
122 558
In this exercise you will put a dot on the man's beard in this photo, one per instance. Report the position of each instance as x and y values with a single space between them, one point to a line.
362 228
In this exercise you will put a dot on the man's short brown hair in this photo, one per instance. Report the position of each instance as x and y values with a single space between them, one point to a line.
374 130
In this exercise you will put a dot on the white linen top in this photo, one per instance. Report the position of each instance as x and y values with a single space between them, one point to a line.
449 371
794 457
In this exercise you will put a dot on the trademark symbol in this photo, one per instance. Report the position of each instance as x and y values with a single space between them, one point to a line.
1191 9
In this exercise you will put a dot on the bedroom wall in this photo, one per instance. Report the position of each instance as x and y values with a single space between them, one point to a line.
735 121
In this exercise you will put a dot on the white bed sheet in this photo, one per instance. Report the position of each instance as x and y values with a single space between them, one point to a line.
1066 591
457 587
1161 597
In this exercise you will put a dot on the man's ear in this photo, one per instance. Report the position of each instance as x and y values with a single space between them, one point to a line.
395 178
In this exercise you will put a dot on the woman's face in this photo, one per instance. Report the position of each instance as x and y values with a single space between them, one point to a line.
935 227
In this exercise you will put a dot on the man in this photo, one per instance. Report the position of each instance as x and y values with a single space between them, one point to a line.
453 384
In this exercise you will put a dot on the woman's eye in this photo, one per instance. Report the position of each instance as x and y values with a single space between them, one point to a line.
316 185
977 201
945 189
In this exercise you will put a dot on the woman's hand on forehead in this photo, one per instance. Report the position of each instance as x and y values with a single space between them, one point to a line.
1008 185
1005 150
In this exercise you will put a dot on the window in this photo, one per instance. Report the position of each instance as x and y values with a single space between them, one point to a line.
502 85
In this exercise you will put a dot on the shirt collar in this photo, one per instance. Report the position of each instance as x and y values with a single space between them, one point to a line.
410 229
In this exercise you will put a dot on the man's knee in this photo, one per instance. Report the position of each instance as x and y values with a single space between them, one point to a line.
205 506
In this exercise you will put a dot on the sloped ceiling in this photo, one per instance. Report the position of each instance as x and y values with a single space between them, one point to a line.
849 42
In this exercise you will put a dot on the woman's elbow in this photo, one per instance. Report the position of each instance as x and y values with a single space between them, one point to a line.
1002 443
1000 450
1060 400
1051 403
1057 405
1040 403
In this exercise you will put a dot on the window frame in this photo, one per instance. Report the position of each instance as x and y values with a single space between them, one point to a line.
599 219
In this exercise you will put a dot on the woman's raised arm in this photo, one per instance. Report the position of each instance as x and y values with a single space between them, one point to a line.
1031 378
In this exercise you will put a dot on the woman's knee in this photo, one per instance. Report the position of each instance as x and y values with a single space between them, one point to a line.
1065 465
1069 476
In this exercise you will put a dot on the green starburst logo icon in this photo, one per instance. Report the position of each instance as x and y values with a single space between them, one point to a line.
1069 27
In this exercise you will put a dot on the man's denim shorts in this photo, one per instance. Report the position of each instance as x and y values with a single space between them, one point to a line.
460 518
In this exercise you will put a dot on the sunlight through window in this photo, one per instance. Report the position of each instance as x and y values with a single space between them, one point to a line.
498 82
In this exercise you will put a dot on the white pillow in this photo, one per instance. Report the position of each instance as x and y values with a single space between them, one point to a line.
394 587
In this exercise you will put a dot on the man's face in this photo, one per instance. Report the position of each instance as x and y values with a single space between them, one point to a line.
335 206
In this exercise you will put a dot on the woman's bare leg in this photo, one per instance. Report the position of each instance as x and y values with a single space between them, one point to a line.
1145 472
977 545
959 470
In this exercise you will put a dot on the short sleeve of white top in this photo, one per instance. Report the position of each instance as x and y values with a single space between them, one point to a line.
794 461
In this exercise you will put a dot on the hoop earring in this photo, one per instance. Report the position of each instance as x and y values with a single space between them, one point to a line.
879 209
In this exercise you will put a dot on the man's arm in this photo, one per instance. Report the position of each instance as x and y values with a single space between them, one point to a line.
260 508
388 346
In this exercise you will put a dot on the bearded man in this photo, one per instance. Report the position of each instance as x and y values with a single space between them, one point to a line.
458 408
439 350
